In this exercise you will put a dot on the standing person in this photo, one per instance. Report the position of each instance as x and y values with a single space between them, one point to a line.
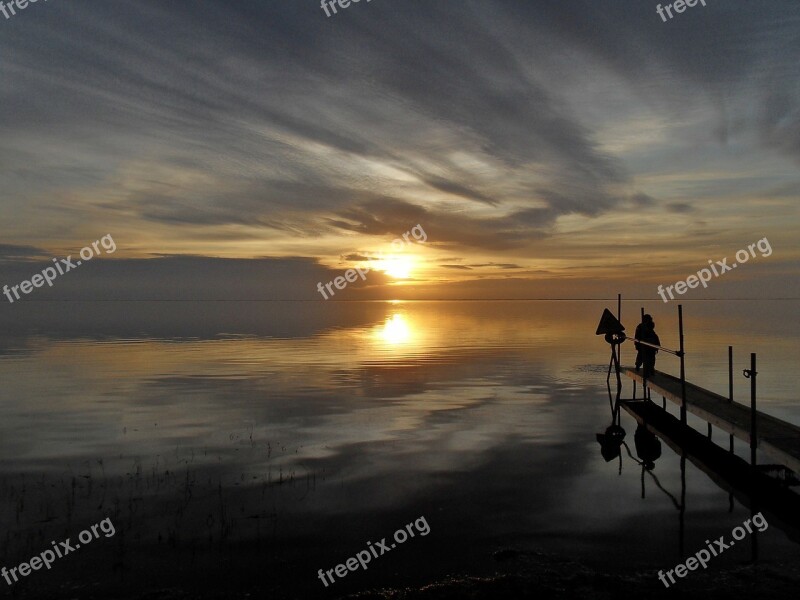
640 334
650 336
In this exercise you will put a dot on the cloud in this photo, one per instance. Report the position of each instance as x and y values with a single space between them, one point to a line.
224 152
780 119
497 265
182 278
498 126
14 252
444 229
680 207
457 189
356 257
642 200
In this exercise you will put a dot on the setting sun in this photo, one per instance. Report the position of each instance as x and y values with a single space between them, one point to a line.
397 267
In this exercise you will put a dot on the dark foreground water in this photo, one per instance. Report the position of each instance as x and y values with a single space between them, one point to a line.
244 446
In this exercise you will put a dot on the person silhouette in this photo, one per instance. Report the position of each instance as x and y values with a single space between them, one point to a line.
641 329
650 336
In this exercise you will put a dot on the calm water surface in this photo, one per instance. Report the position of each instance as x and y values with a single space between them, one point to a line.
309 428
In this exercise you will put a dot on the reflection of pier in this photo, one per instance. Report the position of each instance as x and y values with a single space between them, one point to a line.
753 489
779 439
752 484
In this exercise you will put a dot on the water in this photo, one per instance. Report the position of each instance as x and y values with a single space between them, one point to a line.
293 433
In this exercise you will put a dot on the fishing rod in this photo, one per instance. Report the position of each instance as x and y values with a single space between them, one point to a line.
656 346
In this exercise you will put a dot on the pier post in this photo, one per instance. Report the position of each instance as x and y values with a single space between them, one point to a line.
683 365
730 384
682 513
645 393
730 373
619 318
753 420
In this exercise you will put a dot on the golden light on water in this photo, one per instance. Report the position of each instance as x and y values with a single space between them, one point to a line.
395 331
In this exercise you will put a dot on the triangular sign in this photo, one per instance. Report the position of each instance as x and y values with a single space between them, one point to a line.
609 324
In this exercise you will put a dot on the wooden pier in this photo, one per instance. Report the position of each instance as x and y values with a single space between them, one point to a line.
778 439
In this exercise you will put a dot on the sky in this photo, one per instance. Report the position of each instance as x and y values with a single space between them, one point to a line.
253 149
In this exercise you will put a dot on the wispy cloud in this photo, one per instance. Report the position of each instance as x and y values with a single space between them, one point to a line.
511 131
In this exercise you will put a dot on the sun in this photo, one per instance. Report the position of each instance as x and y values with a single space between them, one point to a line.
397 267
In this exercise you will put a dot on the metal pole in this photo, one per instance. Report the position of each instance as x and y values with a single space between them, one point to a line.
754 548
753 444
645 391
683 365
754 496
730 385
615 360
730 373
753 431
683 503
619 318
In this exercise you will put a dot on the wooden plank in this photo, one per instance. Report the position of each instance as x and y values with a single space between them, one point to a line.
779 439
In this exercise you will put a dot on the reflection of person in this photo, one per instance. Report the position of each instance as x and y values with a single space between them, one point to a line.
646 332
648 447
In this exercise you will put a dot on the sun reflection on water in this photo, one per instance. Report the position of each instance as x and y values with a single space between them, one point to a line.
395 331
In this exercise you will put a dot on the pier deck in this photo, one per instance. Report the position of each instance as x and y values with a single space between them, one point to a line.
779 439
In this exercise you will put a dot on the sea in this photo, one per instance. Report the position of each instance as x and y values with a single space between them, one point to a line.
262 441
